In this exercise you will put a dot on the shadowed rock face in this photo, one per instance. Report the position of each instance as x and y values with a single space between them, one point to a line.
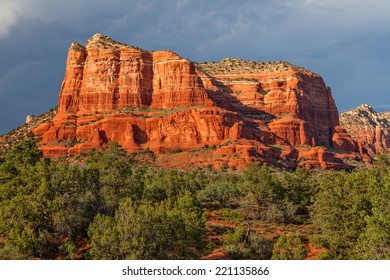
299 99
369 128
247 111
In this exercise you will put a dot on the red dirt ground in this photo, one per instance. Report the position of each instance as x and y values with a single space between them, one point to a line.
214 221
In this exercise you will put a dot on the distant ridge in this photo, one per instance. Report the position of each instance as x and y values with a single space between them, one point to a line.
23 132
370 128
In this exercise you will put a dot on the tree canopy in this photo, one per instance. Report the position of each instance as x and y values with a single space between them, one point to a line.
107 205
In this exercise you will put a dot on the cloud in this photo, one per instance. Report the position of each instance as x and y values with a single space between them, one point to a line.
9 14
308 14
344 14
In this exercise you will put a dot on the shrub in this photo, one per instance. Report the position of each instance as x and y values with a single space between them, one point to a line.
146 230
289 247
219 194
246 244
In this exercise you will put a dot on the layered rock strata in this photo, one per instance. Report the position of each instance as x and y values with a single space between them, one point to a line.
225 113
302 106
107 75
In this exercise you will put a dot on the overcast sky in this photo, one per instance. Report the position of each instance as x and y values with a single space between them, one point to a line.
346 41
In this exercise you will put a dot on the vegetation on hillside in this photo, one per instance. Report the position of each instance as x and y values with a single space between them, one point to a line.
17 135
107 205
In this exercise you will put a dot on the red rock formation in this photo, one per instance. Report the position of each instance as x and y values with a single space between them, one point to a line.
320 157
175 82
107 75
299 99
367 127
343 142
222 114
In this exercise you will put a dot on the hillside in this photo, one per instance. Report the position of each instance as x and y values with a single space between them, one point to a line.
368 127
10 139
110 206
385 115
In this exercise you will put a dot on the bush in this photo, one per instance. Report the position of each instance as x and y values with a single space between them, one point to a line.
219 194
147 230
289 247
246 244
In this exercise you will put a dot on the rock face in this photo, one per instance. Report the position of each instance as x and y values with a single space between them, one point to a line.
369 128
302 106
385 115
225 113
29 118
107 75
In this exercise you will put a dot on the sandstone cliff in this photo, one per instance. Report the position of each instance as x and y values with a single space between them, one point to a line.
224 113
369 128
302 106
107 75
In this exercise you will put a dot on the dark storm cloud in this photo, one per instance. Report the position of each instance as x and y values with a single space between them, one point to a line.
347 42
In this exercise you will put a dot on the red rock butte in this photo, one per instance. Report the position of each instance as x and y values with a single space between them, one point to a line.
224 113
